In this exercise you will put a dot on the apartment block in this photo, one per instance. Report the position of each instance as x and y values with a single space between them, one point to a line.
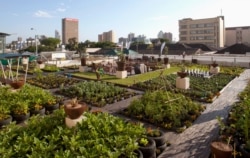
237 35
210 31
107 37
69 29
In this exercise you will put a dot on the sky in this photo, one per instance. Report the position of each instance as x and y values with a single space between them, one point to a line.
141 17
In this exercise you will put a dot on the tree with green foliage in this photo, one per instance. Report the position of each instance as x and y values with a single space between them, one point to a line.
51 42
72 44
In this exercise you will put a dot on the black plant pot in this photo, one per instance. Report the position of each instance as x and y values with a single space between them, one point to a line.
21 118
149 150
51 108
5 122
160 140
244 152
38 112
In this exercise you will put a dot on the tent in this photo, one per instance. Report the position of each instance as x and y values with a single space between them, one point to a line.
5 56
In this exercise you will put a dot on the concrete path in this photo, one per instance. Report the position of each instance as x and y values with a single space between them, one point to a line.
194 142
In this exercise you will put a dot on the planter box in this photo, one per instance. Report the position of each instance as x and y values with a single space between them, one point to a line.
167 66
83 68
182 83
72 122
40 66
214 70
121 74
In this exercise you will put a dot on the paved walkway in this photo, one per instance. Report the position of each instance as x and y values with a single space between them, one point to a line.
194 142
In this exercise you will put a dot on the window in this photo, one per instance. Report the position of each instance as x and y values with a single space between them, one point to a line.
183 32
209 37
209 31
193 32
183 38
192 38
183 26
200 25
209 25
193 26
200 31
199 37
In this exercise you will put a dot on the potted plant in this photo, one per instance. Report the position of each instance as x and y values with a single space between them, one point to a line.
159 137
221 149
121 63
73 109
20 111
83 54
51 104
5 117
36 107
147 147
182 73
165 59
214 64
17 83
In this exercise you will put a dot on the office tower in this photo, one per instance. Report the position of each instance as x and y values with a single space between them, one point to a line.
69 29
107 37
210 31
130 37
237 35
57 35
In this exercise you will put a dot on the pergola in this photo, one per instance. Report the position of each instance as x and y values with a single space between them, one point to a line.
3 41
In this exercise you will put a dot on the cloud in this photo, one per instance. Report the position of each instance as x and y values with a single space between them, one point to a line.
42 14
60 9
158 18
15 14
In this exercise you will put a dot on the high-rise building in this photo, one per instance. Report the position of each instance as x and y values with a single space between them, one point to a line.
57 35
131 36
160 34
107 37
210 31
69 29
165 35
237 35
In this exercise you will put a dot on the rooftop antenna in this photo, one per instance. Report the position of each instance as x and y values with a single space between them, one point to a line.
221 12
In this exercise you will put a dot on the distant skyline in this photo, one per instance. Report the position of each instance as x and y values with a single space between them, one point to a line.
141 17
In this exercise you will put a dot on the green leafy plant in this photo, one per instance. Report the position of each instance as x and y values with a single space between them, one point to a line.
143 141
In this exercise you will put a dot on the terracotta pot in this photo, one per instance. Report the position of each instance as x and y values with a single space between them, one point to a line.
83 61
17 84
220 149
39 61
165 60
182 74
121 66
74 112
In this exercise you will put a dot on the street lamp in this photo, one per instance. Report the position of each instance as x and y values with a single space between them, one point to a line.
35 40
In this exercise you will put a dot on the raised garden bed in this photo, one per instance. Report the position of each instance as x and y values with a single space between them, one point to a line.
96 93
201 89
172 111
51 81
